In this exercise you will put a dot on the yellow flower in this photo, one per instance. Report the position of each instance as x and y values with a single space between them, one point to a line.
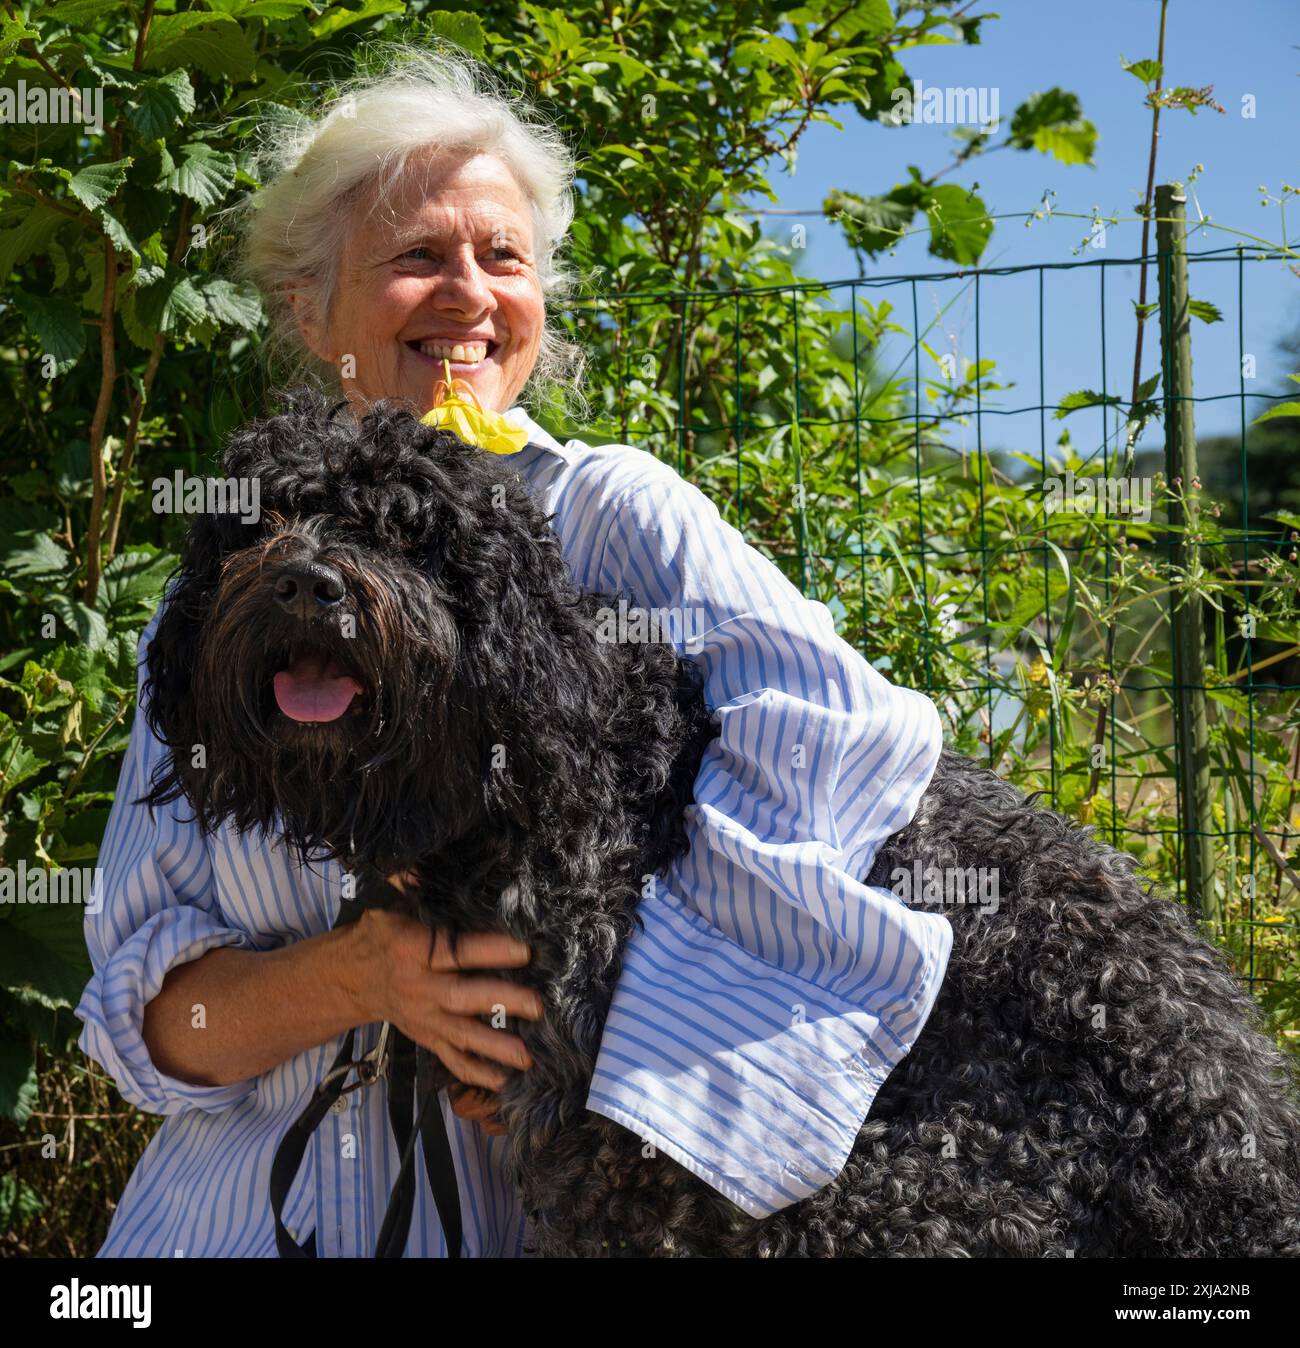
1038 671
463 415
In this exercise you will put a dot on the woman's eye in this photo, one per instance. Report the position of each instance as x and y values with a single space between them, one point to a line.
504 254
420 254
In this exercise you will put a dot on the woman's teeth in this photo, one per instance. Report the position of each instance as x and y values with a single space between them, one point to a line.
464 353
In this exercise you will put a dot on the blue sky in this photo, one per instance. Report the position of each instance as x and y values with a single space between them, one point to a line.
1251 47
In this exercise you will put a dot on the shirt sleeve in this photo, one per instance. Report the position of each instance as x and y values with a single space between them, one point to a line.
770 992
153 907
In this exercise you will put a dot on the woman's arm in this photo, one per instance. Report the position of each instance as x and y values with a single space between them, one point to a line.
769 992
234 1014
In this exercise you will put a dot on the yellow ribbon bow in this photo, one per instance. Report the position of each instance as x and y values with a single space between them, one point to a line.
463 415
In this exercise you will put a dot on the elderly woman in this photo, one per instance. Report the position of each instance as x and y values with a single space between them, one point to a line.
770 992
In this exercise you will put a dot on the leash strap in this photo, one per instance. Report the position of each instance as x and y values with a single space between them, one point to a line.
410 1075
293 1147
437 1152
413 1079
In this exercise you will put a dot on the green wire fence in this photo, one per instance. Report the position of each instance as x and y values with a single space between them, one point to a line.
1143 673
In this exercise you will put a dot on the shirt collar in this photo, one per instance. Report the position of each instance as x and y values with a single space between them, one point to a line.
518 416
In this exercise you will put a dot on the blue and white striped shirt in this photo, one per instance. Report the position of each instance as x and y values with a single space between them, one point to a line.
758 1012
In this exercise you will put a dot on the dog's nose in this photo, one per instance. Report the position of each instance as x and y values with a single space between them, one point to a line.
308 589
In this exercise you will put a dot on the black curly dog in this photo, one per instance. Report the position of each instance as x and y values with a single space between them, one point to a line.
396 670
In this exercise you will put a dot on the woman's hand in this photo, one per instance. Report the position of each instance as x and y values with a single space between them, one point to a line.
428 994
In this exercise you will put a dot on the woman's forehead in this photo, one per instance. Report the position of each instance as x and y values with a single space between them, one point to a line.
439 220
432 200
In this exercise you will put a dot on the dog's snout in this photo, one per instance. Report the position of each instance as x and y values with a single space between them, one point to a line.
308 589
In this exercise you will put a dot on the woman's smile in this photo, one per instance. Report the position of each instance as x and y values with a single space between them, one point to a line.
464 354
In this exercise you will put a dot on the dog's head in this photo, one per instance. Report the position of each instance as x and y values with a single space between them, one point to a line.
364 668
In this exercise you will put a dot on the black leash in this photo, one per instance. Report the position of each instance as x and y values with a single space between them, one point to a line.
411 1078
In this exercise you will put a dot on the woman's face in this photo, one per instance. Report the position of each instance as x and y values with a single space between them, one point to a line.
446 270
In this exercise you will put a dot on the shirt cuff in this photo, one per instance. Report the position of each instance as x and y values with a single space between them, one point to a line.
112 1009
752 1078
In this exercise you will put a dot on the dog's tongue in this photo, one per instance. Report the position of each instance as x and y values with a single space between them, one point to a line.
314 690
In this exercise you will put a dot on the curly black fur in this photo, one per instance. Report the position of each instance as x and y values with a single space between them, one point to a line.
1091 1080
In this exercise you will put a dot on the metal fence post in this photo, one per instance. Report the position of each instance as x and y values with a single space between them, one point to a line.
1191 727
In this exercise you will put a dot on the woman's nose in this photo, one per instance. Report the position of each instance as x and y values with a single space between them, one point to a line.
462 285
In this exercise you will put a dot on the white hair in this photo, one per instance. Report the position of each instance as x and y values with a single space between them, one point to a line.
315 167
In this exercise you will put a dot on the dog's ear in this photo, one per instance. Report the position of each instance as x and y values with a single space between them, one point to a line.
166 704
174 649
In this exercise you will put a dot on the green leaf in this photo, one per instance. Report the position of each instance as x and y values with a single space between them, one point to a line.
43 948
230 304
873 224
56 324
1054 107
1204 310
275 9
214 43
18 244
1069 144
864 19
204 175
18 1093
134 580
87 625
140 333
12 32
84 669
1147 387
19 1202
465 30
262 9
58 255
72 470
32 556
116 231
76 12
84 831
160 105
170 305
96 183
153 165
1146 71
960 226
337 16
1053 122
18 762
1291 409
1072 402
1032 601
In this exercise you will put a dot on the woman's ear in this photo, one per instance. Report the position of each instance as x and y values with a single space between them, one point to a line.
306 315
